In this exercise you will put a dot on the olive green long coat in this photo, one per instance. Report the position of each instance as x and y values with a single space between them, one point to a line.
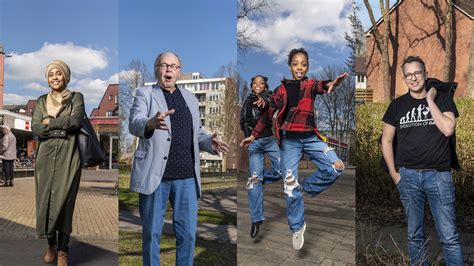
58 165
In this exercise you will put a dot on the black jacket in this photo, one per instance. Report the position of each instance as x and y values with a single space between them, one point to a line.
250 114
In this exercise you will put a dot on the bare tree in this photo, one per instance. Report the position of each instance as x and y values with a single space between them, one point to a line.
247 9
244 89
355 39
382 42
447 19
227 116
336 111
132 77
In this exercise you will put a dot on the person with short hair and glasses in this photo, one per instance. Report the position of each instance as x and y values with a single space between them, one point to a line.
423 120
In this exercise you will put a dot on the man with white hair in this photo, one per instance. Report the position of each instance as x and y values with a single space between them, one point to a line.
8 152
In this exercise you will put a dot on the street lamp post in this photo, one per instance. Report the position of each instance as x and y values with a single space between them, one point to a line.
2 72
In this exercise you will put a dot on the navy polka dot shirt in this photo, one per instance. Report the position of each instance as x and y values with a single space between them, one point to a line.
180 162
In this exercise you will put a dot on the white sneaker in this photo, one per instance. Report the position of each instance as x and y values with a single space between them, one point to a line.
298 238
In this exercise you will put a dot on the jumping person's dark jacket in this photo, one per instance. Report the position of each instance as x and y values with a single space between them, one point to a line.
250 114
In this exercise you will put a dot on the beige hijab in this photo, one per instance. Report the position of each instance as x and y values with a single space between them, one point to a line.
55 102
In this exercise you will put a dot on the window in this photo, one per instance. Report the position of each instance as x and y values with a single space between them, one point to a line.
109 113
360 78
116 98
110 97
213 97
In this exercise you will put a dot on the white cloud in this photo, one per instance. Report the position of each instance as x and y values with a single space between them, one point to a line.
293 24
36 87
10 98
30 67
93 89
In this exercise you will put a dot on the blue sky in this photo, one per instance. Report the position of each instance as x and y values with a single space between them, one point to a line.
84 33
98 38
364 15
318 26
202 33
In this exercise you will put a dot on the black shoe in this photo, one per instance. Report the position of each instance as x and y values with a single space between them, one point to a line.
255 229
10 183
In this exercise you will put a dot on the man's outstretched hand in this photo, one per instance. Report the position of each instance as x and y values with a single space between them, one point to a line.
158 121
219 145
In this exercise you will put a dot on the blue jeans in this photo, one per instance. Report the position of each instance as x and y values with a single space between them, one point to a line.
438 187
320 154
183 197
257 150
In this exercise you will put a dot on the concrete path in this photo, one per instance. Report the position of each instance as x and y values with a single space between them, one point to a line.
95 225
330 231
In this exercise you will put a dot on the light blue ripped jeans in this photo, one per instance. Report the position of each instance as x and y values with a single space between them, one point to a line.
320 154
259 175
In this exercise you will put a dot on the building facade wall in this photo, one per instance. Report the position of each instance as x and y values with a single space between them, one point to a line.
417 31
109 102
210 93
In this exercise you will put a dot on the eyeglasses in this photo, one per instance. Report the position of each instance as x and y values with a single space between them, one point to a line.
172 66
416 74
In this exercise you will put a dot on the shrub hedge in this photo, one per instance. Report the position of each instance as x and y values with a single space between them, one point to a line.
375 185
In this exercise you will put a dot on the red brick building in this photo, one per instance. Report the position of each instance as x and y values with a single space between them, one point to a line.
416 30
30 106
105 121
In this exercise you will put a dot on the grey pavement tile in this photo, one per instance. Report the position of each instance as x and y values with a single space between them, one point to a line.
299 261
254 254
330 224
334 262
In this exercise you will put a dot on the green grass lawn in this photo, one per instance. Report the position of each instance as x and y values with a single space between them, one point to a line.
206 252
129 200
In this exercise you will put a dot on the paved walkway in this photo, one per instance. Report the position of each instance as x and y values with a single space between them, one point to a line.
222 200
95 225
394 241
330 231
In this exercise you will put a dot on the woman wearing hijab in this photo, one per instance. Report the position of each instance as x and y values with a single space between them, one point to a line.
56 119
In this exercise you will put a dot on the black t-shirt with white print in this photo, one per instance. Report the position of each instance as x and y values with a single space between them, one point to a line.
420 144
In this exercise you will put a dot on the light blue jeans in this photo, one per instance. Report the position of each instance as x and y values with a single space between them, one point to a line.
257 150
320 154
414 187
183 197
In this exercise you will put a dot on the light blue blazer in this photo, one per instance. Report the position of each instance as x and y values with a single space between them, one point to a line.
149 162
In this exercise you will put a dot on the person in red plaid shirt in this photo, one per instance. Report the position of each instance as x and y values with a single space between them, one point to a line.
297 133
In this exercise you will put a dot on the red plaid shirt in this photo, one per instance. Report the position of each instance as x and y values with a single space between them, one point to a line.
302 117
